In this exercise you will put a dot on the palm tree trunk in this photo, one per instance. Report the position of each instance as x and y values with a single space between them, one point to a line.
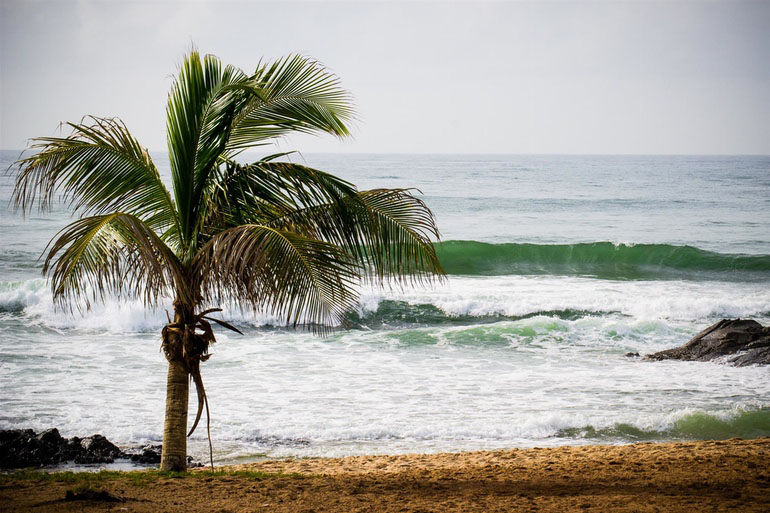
174 454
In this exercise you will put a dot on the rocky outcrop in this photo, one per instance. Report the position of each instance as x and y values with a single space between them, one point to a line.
148 454
20 448
25 448
738 342
97 449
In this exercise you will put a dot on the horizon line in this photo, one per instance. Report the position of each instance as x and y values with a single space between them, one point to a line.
499 153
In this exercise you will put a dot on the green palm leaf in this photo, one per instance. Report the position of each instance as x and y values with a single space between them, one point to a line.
200 110
264 190
215 111
295 94
115 254
298 278
99 168
387 231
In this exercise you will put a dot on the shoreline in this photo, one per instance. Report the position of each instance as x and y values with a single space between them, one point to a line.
724 475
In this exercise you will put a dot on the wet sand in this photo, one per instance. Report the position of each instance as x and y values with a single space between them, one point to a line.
731 475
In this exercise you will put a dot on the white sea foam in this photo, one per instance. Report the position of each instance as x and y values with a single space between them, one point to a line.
291 393
463 296
522 295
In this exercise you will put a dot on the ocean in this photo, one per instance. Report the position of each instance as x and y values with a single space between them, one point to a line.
558 266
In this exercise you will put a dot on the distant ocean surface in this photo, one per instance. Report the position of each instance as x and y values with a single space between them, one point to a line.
559 266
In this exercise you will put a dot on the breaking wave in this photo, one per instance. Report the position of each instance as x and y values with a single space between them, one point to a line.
600 259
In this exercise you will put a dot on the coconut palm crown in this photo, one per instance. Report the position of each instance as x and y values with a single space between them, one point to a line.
270 236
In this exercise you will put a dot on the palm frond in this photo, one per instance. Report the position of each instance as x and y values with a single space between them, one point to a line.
387 231
294 94
114 254
215 111
201 105
98 168
297 278
271 234
264 190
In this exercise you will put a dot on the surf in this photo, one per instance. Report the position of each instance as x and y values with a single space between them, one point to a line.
599 259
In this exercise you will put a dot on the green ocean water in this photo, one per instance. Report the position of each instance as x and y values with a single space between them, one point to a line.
602 260
694 426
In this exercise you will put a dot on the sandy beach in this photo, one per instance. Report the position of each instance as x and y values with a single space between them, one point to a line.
731 475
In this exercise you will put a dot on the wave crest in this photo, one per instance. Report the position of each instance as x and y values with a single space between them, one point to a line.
692 426
599 259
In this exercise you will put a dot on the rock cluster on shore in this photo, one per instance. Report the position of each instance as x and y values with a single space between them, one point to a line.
738 342
21 448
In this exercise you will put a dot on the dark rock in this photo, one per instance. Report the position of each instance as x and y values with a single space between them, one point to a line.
191 463
631 355
757 356
97 449
148 455
23 448
51 446
18 448
739 342
51 437
7 435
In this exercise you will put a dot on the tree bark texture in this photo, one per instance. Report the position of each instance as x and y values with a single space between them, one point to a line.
174 454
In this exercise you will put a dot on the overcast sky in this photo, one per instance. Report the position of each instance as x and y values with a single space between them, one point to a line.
503 77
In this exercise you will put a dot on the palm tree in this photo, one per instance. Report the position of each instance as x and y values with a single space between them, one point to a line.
267 236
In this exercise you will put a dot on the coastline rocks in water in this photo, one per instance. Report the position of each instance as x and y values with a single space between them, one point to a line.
97 449
24 448
148 454
21 448
740 341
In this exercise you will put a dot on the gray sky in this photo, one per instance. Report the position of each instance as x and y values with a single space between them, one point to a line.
504 77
